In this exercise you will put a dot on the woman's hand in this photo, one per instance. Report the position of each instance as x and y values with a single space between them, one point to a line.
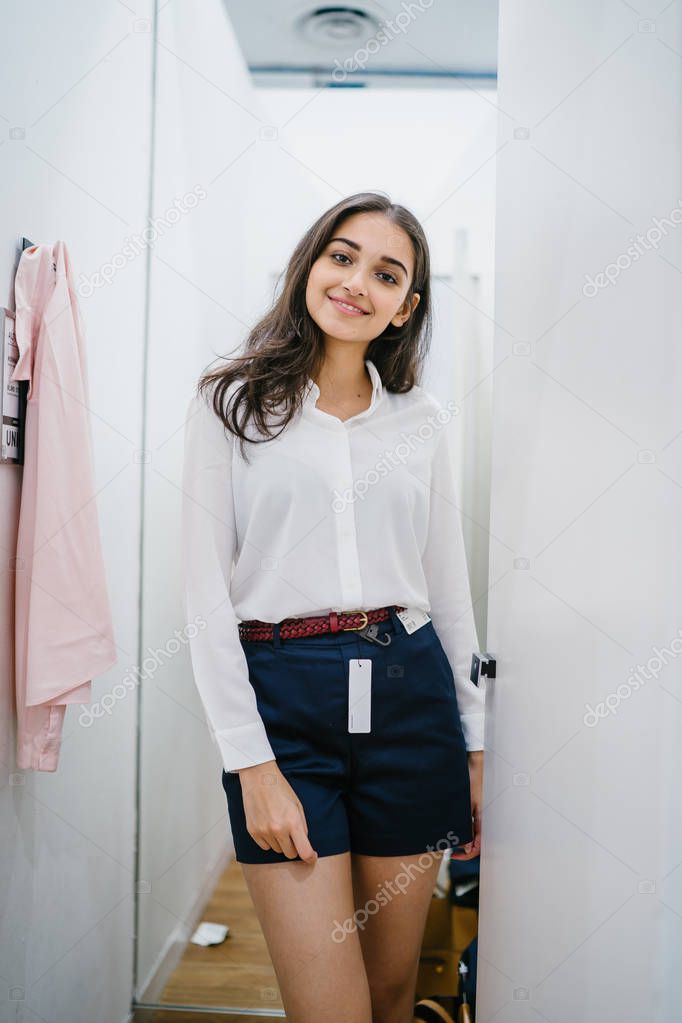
473 848
275 818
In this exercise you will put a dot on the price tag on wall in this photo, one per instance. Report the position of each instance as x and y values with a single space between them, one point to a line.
9 442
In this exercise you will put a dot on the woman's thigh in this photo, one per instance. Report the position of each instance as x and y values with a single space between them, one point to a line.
392 898
303 910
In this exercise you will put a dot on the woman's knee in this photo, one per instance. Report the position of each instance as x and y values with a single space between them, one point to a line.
392 996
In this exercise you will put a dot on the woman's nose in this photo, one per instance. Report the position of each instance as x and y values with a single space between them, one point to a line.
356 281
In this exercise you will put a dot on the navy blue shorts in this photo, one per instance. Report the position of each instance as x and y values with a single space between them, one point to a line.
398 790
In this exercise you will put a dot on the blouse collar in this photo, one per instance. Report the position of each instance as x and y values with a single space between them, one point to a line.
313 392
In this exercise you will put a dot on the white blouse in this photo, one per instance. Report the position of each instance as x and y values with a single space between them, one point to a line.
329 516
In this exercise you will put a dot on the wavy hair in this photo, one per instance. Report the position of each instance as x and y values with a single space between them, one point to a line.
286 347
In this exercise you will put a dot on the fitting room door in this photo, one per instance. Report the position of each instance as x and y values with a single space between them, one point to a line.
581 894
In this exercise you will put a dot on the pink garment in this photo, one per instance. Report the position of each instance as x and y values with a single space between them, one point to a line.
63 628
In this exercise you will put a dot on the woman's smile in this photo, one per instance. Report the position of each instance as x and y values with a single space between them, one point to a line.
344 307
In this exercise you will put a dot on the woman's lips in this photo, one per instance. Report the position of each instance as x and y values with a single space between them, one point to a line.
348 310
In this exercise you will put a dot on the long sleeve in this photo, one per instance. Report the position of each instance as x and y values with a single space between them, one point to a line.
445 567
209 540
63 623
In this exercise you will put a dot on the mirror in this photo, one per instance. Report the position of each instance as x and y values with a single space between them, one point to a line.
266 117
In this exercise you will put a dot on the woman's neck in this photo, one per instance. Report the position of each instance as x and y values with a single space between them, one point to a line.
345 388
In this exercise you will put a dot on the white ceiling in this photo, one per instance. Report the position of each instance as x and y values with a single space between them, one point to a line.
395 43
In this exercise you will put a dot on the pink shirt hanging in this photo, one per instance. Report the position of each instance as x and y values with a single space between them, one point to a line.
63 627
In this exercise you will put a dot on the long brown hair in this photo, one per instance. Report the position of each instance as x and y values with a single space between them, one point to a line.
286 347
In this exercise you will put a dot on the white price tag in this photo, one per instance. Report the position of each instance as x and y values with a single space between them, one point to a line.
413 619
359 695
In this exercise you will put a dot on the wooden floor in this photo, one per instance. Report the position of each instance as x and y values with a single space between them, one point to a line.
239 974
187 1016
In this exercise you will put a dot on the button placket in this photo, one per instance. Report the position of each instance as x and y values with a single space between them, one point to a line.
347 545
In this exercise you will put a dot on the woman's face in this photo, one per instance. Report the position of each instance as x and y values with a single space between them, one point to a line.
360 281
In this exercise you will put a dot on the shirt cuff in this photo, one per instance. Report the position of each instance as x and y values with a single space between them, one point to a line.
244 746
473 728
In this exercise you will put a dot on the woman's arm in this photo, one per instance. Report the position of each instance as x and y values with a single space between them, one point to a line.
208 548
445 567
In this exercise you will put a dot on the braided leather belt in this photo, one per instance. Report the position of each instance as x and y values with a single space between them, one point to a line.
335 621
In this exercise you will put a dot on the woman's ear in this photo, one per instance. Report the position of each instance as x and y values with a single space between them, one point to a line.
406 310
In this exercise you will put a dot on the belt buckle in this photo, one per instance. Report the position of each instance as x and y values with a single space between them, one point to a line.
354 628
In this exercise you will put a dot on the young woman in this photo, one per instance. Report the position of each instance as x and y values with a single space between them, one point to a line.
325 568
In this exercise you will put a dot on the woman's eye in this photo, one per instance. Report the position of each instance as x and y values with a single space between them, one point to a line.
383 273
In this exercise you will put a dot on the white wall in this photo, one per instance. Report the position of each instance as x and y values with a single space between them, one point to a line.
581 887
207 138
76 79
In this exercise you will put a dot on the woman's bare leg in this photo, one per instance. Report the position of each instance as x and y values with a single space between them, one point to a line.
302 910
392 928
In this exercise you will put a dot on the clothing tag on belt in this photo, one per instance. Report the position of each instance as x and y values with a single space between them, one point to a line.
413 619
359 695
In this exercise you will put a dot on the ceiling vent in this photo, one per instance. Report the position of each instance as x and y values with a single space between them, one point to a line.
336 26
